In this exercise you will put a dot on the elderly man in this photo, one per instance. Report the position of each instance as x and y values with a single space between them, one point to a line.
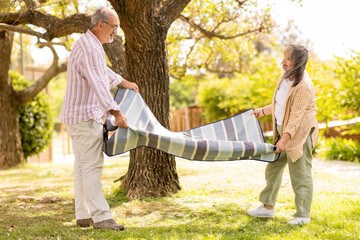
86 102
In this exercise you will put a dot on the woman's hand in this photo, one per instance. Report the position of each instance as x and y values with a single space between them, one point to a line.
258 113
281 144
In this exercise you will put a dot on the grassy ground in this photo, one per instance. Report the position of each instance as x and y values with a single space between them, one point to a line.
36 202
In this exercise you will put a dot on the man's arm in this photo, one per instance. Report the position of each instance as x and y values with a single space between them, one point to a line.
114 78
119 81
92 71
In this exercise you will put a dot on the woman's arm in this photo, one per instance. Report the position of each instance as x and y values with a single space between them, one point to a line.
260 112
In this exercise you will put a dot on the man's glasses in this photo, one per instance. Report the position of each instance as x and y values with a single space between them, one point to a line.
115 27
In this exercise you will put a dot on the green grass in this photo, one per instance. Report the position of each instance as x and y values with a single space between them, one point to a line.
211 205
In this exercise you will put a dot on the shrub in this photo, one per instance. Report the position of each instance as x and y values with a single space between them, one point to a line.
181 94
225 97
212 96
35 119
342 149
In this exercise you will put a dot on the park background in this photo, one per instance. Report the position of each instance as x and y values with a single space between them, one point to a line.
215 72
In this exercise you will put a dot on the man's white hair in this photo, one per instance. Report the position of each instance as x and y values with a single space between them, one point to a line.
101 14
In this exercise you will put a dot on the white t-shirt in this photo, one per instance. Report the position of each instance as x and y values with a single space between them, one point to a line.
280 99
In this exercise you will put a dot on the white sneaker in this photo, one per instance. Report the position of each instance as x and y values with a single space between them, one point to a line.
299 221
261 211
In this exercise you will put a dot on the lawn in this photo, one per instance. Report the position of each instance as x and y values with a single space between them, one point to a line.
37 203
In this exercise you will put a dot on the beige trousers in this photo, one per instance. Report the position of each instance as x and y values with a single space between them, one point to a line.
87 143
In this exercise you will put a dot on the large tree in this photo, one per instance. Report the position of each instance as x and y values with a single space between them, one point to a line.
146 24
142 59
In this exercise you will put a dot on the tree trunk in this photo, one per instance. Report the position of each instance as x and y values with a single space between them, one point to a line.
11 153
115 51
10 141
151 173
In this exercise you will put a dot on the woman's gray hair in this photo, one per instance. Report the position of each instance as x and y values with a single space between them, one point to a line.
299 55
100 14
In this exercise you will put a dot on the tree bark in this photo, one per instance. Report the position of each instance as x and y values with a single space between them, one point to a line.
11 151
55 27
115 51
151 173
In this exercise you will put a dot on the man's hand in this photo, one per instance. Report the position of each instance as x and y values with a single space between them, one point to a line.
120 119
281 144
133 86
129 85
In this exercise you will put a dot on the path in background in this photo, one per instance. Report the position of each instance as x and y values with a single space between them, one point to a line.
250 175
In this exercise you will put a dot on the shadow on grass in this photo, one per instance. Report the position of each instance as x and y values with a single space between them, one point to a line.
182 216
62 226
158 218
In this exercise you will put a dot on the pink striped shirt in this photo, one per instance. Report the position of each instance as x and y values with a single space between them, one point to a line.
87 93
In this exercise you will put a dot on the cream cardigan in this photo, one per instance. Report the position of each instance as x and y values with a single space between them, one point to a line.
298 117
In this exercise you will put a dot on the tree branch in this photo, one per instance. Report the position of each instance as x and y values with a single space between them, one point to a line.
171 11
240 2
213 34
32 4
29 93
223 70
46 44
13 28
55 27
184 67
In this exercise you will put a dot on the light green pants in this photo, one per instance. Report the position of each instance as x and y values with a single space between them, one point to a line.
300 175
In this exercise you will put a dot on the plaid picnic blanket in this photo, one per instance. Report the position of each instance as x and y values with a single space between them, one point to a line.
237 138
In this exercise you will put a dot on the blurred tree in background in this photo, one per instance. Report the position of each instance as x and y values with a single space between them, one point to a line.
348 73
182 92
35 119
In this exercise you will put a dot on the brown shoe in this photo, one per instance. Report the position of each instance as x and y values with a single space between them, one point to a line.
109 224
84 222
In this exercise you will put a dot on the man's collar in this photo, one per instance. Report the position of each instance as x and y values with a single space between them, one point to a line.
92 35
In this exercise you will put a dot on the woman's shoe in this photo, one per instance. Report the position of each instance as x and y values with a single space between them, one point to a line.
261 211
299 221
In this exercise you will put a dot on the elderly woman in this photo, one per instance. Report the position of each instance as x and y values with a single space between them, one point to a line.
296 132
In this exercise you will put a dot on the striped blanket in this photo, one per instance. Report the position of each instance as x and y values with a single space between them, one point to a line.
236 138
